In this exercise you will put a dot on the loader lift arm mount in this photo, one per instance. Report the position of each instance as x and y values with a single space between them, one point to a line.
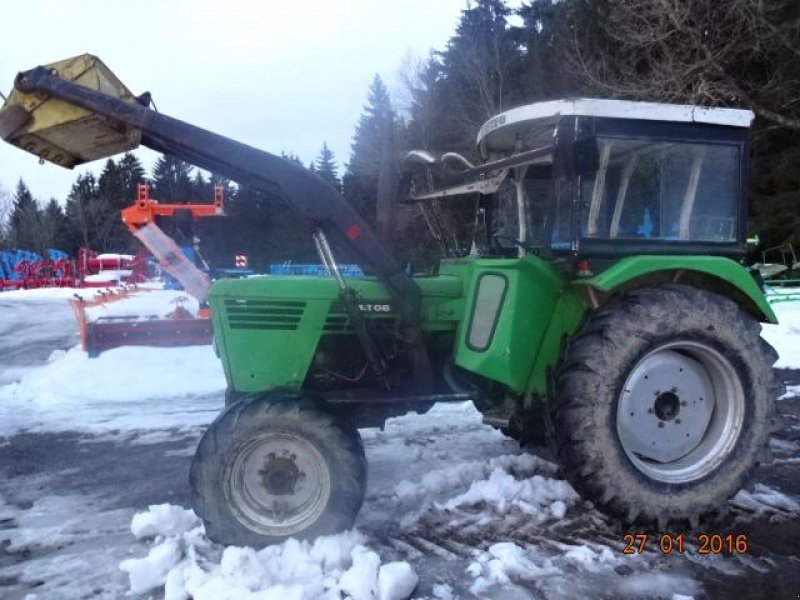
315 202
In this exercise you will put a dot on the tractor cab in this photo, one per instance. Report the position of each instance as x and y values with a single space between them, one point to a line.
602 179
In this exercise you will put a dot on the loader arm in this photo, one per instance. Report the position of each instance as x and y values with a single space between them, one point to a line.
315 202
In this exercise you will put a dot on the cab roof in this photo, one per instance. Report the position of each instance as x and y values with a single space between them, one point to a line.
536 121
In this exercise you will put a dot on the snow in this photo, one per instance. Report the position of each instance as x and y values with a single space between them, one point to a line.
182 561
114 256
439 480
765 499
110 275
534 496
50 293
396 581
640 585
130 388
791 392
360 579
785 336
127 389
151 572
144 304
430 475
163 519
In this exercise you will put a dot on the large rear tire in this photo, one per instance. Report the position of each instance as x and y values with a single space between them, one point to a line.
276 466
663 405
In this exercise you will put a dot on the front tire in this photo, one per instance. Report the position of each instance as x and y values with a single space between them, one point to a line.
276 466
664 403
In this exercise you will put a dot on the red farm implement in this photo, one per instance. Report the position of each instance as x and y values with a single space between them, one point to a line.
179 327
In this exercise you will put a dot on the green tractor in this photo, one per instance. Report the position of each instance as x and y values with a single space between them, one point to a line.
602 304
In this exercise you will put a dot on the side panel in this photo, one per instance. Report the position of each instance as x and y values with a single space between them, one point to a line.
566 319
503 328
267 329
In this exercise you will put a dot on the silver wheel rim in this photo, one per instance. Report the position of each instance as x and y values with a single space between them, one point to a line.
278 484
680 412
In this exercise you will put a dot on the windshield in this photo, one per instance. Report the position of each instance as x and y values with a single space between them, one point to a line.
662 190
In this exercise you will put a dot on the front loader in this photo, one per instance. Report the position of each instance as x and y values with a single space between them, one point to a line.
605 306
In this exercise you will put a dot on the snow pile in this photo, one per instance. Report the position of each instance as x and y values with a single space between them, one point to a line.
51 293
464 474
115 391
163 519
765 499
505 563
534 496
785 336
185 563
444 417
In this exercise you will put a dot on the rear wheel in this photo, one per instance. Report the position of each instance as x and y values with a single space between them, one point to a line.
664 404
276 466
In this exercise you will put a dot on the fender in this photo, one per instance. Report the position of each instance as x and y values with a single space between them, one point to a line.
721 275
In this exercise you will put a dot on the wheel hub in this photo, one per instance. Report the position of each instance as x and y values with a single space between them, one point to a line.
666 406
279 475
278 484
680 411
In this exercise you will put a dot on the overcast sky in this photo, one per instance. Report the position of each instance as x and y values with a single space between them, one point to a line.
276 75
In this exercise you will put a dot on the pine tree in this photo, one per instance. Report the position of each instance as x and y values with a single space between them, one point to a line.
113 194
132 174
25 219
54 226
172 180
201 189
292 157
6 206
360 181
325 167
81 213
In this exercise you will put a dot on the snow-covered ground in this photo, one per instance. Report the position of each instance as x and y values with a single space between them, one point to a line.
785 336
453 509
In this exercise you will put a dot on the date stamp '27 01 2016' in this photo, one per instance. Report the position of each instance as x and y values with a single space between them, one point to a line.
707 543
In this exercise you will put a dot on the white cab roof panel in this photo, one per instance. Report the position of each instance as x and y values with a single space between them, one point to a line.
500 132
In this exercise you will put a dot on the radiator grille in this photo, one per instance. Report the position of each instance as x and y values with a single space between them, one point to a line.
264 314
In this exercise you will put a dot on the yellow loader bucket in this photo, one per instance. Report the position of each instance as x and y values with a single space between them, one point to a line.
61 132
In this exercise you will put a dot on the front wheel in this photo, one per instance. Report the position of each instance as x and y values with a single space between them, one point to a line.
664 404
272 467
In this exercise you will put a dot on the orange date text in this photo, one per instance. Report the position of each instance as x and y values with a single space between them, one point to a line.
677 543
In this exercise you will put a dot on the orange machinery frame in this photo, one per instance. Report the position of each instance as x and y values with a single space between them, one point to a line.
145 210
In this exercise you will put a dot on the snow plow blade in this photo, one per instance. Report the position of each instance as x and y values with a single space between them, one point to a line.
113 332
63 133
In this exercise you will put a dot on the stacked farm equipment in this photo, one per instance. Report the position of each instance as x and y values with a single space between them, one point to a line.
111 269
25 270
